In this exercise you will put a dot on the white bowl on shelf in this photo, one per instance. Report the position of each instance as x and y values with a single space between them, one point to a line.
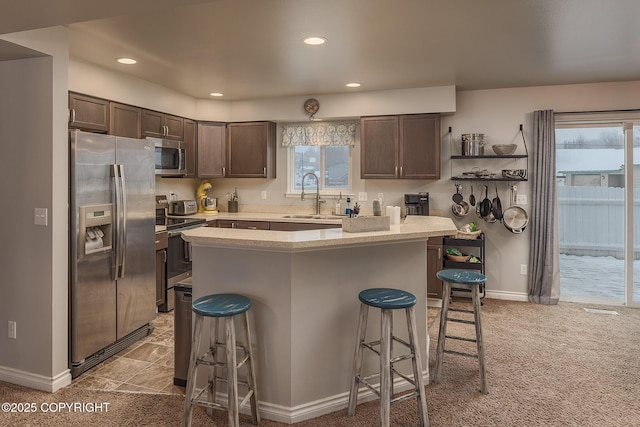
504 149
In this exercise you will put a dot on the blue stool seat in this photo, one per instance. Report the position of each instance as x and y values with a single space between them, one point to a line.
221 305
463 277
387 298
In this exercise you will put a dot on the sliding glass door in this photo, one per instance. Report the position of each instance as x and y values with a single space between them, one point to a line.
598 210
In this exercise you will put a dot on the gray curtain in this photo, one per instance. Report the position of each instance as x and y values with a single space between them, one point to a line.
544 269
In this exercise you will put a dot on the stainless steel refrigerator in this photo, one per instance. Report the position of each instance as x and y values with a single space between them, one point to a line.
112 244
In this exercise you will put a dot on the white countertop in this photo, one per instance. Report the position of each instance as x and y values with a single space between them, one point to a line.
414 228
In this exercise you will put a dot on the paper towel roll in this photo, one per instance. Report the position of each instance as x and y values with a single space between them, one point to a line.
396 215
393 212
389 211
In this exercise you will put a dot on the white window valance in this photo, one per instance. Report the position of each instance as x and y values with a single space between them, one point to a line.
325 133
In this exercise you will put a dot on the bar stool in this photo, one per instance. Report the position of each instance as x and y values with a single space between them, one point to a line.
225 306
471 280
388 300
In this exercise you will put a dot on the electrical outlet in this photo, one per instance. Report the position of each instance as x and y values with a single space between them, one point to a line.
521 199
40 216
362 196
523 269
263 195
11 329
381 198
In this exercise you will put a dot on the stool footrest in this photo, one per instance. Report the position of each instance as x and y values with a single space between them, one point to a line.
459 353
364 381
461 338
461 310
404 396
468 322
240 382
207 362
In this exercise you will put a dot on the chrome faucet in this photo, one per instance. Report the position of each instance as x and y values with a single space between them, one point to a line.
318 201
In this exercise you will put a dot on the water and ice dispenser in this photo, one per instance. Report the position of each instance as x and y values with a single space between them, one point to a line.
96 228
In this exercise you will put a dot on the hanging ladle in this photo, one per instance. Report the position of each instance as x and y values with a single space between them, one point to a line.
472 198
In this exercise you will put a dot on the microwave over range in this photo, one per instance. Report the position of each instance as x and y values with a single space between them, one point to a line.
170 157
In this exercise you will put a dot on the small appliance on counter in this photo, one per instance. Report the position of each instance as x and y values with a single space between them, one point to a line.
183 207
417 204
206 204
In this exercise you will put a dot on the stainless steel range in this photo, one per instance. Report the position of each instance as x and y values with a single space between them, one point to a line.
178 252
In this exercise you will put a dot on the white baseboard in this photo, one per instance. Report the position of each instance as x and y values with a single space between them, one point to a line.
35 381
506 295
307 411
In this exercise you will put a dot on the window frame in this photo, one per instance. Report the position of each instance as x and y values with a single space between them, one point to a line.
324 192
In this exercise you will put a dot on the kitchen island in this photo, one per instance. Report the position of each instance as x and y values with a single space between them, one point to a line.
304 286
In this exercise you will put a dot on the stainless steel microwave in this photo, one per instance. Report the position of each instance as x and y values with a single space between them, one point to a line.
170 157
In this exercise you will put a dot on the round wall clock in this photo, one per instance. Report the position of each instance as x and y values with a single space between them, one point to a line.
311 106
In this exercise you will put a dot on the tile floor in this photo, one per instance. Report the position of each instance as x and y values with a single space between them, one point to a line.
145 366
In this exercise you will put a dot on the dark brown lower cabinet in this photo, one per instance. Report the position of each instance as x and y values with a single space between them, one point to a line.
161 267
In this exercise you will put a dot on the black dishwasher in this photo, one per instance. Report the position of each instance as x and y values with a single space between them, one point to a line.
182 331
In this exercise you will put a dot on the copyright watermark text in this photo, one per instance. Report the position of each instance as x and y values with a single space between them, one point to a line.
55 407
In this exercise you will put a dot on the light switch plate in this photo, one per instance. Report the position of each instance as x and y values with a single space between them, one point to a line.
40 216
11 329
521 199
362 196
263 195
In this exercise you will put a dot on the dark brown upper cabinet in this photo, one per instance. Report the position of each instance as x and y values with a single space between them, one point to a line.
251 150
212 159
161 125
400 147
88 113
124 120
190 143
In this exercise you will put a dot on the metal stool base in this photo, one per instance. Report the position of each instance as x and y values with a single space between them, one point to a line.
383 348
195 396
442 334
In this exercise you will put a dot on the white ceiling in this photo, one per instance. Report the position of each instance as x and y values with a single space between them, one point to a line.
251 49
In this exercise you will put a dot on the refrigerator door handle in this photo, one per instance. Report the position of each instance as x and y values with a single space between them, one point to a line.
123 196
115 172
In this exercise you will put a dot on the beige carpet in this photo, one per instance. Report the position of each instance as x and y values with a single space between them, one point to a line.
546 366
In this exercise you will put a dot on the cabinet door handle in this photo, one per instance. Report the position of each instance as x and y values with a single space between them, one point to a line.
439 253
73 115
400 171
264 172
252 228
224 171
164 256
396 172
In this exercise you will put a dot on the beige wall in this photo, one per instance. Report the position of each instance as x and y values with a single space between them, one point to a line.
33 135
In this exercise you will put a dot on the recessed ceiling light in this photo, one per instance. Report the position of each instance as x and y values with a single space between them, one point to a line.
315 40
216 94
353 84
127 61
